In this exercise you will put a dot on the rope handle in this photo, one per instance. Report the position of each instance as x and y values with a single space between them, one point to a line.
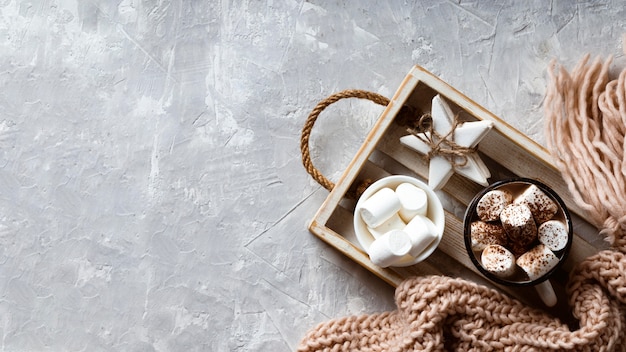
310 122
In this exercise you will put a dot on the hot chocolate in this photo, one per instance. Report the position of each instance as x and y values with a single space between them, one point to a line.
517 232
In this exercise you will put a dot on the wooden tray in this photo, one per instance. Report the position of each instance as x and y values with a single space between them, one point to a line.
506 151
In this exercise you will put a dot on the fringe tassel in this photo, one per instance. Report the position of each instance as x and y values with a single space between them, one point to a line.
585 121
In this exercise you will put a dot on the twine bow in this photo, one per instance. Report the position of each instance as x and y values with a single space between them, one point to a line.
441 144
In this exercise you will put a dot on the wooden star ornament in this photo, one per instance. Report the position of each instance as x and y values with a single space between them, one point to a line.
450 146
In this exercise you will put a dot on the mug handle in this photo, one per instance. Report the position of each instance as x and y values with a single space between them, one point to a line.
546 293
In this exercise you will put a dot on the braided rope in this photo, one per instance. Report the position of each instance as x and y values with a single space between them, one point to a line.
310 122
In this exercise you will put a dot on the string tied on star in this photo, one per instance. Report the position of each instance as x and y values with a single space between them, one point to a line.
441 144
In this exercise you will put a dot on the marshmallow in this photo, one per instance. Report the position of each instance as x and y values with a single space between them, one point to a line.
542 206
520 227
422 232
492 203
390 248
498 260
393 223
413 201
553 234
380 207
483 234
538 261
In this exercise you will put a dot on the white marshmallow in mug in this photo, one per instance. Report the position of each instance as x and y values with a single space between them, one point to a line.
380 207
498 260
422 232
538 261
393 223
554 234
390 248
413 200
542 206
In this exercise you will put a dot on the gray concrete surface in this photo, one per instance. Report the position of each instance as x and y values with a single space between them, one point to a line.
152 196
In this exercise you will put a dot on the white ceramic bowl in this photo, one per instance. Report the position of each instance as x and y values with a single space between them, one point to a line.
435 214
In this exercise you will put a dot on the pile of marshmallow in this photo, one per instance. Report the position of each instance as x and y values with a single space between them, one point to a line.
397 220
518 233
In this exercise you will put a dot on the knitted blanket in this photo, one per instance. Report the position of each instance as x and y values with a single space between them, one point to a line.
585 119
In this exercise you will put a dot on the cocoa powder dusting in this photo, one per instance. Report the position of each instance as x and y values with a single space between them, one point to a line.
484 234
492 203
542 207
519 225
508 226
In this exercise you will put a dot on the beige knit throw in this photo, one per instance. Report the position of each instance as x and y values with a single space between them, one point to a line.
585 125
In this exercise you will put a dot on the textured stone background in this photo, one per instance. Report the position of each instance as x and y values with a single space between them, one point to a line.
151 192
